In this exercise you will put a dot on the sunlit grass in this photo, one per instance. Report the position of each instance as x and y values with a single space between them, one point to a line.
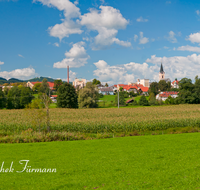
145 162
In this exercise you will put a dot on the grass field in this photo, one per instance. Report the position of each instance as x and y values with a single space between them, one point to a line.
145 162
109 100
106 101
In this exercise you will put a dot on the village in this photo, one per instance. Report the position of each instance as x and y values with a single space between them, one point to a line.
140 87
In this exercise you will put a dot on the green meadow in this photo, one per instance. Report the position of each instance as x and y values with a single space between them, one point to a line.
109 100
140 162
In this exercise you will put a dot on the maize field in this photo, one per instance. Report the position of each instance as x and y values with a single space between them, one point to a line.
108 120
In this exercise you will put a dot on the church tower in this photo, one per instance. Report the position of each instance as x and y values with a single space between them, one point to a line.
161 73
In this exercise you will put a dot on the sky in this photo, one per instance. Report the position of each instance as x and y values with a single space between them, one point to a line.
113 41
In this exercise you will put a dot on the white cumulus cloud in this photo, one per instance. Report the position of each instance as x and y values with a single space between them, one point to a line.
76 2
174 67
143 40
75 57
194 38
23 74
106 22
1 63
189 48
68 26
65 29
178 66
141 19
56 44
124 73
72 76
70 9
172 37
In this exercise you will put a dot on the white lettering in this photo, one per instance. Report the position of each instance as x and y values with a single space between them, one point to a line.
24 166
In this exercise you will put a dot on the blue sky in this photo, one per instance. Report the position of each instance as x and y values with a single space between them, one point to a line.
114 41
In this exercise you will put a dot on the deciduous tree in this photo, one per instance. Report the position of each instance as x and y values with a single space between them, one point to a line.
153 88
88 96
36 87
96 82
57 83
121 99
162 85
67 96
13 101
2 99
26 96
45 87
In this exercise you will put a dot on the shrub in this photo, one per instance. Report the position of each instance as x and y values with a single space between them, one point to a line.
143 101
101 95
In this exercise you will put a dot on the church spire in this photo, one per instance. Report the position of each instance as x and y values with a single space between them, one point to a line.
161 69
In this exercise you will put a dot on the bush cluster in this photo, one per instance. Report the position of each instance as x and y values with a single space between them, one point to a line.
17 98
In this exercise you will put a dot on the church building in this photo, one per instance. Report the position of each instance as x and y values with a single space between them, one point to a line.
162 75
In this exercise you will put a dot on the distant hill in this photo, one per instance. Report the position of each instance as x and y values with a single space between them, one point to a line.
40 79
2 80
13 80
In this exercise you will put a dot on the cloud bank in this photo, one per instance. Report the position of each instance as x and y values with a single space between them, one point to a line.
75 57
23 74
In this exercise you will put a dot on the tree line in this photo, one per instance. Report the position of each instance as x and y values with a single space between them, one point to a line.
19 97
188 92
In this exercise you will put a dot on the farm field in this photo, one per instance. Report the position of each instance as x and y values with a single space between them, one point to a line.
144 162
99 120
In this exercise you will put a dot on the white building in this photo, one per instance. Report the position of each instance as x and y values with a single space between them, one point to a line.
114 88
164 95
79 83
175 84
106 91
4 87
144 82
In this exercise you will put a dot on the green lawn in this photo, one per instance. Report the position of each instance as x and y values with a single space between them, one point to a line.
109 100
106 101
53 105
144 162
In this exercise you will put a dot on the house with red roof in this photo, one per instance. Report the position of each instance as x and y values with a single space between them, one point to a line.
31 84
175 84
164 95
129 101
54 98
144 90
130 88
134 88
